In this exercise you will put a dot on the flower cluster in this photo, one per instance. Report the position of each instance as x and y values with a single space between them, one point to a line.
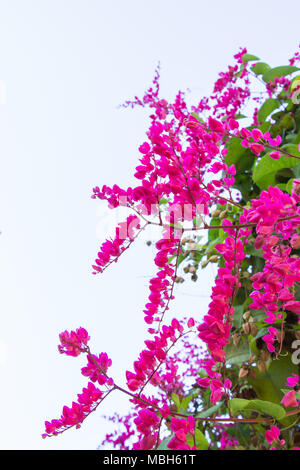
276 217
150 358
187 180
290 398
88 400
73 343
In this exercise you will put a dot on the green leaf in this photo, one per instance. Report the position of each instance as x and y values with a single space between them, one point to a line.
163 201
289 186
262 332
237 354
260 68
176 400
251 250
238 155
264 174
249 57
295 82
186 400
200 440
237 405
267 108
268 384
238 316
213 234
293 150
278 72
210 411
197 117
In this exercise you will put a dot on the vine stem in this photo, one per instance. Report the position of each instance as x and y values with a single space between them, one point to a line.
231 419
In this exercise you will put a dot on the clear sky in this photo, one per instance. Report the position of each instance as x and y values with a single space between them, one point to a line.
66 66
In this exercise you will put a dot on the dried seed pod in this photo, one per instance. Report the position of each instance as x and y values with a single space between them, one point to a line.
245 274
252 359
246 328
214 259
236 338
223 214
215 214
243 372
246 315
192 246
252 373
204 263
264 355
253 329
261 366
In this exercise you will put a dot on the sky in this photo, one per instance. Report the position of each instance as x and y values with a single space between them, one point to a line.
65 67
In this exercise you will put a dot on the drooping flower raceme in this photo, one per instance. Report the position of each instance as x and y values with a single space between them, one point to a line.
189 180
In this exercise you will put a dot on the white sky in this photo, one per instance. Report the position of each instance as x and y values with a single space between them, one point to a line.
67 65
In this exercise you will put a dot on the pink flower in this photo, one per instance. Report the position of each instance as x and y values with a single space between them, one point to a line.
296 186
97 367
257 134
272 434
275 155
73 343
233 124
292 381
295 241
256 148
290 399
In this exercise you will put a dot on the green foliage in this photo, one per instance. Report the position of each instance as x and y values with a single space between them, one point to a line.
249 57
278 72
267 108
240 405
260 68
258 377
268 171
237 354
